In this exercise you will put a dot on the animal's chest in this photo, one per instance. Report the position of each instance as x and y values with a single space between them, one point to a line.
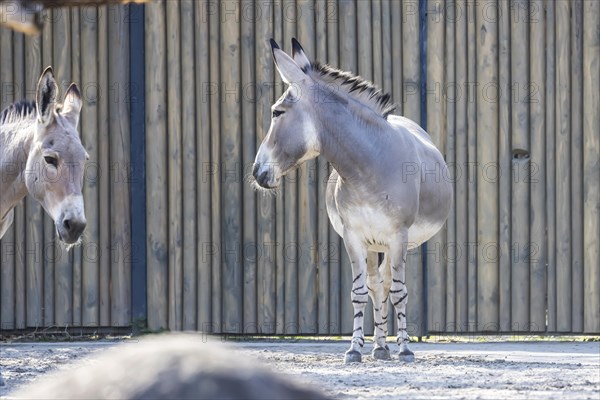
374 226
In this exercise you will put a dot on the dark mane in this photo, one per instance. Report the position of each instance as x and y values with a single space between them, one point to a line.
17 110
357 87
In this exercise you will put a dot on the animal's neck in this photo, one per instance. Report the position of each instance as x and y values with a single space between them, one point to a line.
16 143
350 140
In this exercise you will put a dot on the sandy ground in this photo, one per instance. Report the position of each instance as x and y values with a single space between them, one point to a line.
510 370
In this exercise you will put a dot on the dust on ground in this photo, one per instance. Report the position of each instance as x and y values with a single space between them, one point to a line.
516 370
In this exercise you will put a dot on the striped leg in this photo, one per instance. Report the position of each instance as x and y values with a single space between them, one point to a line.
386 272
358 258
399 295
375 285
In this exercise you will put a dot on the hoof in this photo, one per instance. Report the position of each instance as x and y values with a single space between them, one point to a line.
382 353
352 356
406 356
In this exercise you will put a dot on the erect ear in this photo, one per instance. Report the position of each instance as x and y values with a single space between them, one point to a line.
299 56
72 104
47 91
288 69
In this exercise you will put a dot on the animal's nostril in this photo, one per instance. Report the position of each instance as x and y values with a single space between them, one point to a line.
255 171
262 179
67 224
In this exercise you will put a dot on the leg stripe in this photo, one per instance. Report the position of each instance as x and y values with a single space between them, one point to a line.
397 281
359 302
358 314
357 329
357 277
400 300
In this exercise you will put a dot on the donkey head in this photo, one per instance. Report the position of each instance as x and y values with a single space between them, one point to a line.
293 136
56 161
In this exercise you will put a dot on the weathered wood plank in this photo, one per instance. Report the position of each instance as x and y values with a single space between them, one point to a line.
459 171
591 168
537 214
307 201
576 167
436 127
156 165
174 165
449 97
550 85
471 247
251 252
521 165
89 125
104 138
189 152
204 167
563 176
120 218
504 166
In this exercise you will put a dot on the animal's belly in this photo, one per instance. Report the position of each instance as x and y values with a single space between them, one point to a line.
420 232
372 226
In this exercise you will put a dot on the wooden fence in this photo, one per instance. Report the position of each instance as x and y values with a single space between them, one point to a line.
508 91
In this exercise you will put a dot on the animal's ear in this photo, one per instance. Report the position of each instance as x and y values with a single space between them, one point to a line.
288 69
299 56
47 91
72 104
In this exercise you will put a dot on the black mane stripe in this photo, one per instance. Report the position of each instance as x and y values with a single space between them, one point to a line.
358 87
20 109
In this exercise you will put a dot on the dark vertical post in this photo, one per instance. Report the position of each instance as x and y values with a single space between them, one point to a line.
423 57
138 164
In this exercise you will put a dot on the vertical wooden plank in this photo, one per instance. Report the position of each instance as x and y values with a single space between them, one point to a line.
215 121
204 91
576 167
591 168
387 59
174 164
63 269
33 210
377 43
49 244
253 250
156 165
307 202
504 166
537 101
120 225
8 243
347 61
487 189
471 247
450 101
266 241
521 166
460 171
321 177
89 126
334 244
436 127
290 199
550 85
232 280
104 138
563 176
411 108
190 149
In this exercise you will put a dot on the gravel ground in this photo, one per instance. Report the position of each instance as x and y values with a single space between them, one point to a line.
515 370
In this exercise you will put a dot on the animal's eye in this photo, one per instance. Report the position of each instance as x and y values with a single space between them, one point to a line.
51 161
277 113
